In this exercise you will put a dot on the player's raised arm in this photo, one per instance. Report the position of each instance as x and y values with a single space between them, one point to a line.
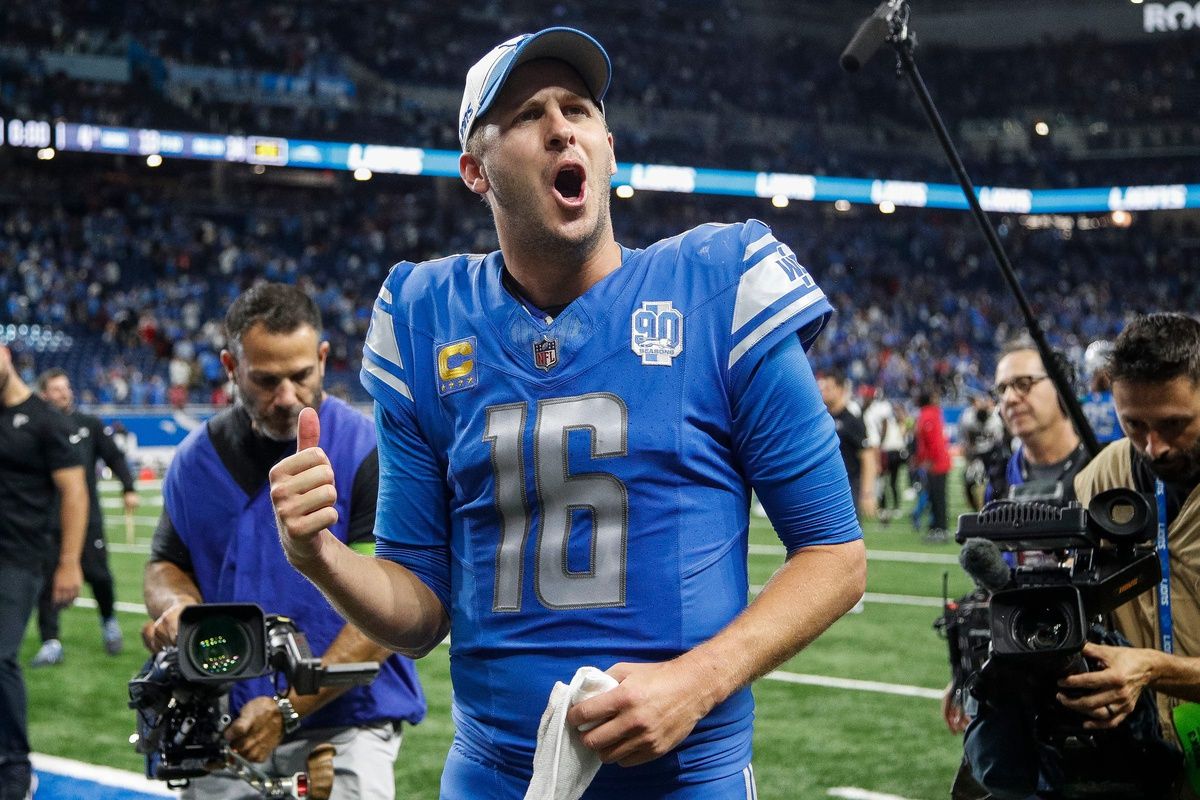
384 600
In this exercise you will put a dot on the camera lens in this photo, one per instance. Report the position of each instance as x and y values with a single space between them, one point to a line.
219 646
1041 627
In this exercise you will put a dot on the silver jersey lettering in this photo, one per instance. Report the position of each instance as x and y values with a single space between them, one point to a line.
559 496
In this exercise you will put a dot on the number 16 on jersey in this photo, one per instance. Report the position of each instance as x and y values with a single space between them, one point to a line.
558 495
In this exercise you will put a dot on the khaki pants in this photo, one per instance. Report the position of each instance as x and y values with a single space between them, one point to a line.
363 766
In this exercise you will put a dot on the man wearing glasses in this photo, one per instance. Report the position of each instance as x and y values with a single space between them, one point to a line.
1049 452
1047 457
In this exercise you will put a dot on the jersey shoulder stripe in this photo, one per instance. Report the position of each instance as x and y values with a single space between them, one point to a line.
398 313
772 293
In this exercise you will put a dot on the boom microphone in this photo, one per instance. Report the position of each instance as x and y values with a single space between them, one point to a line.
873 32
981 559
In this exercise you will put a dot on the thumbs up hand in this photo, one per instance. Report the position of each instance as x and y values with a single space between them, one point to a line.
303 494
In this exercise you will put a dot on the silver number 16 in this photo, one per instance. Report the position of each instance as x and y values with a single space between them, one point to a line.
559 495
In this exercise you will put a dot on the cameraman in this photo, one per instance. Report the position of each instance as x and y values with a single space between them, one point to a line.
216 542
1155 371
1048 456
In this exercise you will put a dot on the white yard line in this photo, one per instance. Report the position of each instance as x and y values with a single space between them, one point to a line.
854 793
110 484
872 555
886 599
778 675
876 687
755 549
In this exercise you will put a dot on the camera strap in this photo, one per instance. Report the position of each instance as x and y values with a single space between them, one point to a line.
1166 632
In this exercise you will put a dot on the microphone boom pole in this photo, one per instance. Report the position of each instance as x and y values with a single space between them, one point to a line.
896 14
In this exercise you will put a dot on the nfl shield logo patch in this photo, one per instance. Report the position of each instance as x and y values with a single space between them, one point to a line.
545 353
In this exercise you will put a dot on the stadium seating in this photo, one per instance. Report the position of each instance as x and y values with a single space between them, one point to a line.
133 268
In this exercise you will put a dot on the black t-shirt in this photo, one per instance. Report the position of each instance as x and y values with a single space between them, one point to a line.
34 442
852 439
1063 472
249 456
93 443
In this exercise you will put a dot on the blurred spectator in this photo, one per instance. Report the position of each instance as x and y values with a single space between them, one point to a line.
933 459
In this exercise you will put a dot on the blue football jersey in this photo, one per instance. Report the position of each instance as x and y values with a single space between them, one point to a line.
576 490
1101 414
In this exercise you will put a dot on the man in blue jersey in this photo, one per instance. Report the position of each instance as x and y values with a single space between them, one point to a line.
216 542
569 433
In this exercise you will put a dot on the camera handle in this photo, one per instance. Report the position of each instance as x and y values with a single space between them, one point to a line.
295 786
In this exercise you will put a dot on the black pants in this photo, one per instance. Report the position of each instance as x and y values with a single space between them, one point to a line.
19 586
892 461
937 500
95 573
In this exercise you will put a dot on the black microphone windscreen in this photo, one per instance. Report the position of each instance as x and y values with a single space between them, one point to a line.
982 560
870 37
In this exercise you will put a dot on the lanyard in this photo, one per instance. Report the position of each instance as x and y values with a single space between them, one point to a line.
1166 633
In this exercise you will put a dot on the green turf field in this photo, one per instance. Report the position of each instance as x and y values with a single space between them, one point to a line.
809 738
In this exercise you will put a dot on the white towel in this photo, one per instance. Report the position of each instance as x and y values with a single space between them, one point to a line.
562 766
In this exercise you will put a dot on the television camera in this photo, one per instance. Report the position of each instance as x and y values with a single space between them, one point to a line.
178 694
1027 625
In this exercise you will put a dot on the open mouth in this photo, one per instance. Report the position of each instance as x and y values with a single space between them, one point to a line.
569 183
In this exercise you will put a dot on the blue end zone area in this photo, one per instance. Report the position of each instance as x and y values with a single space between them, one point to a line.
67 787
63 779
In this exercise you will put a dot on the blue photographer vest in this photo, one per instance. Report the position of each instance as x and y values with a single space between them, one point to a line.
236 557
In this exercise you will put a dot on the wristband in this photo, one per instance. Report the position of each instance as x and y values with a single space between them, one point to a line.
291 719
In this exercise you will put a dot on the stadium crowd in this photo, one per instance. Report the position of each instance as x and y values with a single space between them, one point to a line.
797 111
136 270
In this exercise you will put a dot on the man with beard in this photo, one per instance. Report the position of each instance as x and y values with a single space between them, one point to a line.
1155 371
94 443
36 461
216 542
569 433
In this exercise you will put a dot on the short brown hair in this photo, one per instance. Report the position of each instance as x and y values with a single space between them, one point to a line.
279 307
1156 348
48 375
